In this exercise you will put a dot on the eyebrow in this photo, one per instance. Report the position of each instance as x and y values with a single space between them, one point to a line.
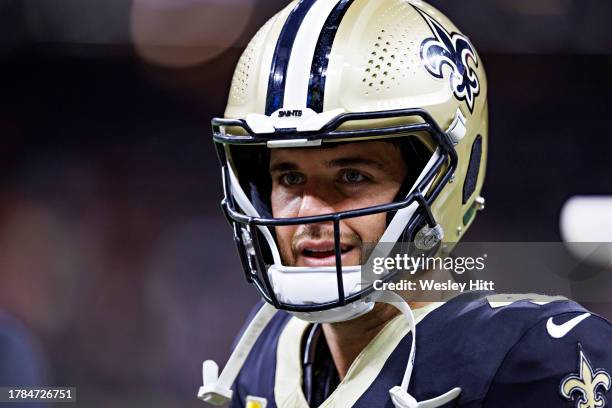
343 162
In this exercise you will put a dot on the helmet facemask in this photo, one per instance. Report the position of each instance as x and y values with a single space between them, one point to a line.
309 291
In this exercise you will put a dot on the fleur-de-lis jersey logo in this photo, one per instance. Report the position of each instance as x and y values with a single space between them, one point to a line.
587 387
453 50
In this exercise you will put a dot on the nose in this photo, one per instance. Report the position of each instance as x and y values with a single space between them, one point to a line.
314 205
316 201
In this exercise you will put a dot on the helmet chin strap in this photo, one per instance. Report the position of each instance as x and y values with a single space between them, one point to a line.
217 388
399 393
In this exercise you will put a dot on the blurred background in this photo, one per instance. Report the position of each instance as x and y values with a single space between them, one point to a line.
116 265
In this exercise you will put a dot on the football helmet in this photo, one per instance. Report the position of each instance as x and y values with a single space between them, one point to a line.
328 71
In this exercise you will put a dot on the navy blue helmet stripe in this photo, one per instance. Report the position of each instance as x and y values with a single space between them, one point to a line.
320 61
282 53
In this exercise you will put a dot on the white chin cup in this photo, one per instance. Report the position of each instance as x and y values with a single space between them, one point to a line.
299 285
309 286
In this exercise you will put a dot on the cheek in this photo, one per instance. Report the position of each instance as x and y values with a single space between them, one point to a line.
384 193
369 228
284 205
284 235
371 196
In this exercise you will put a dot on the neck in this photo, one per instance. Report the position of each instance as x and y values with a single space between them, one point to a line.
347 339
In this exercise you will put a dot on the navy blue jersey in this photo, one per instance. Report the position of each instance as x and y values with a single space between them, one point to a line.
502 351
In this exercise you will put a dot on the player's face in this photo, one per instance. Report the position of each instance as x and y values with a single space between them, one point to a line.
307 182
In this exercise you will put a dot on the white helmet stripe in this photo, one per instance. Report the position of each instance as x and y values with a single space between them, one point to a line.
301 60
282 54
320 59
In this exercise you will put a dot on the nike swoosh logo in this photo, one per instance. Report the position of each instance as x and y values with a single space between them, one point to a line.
558 331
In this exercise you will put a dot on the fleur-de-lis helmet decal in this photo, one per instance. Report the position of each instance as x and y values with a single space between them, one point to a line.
455 51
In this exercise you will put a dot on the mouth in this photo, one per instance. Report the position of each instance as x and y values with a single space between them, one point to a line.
325 253
322 253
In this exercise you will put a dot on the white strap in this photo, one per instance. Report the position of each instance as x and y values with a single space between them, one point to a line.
399 303
399 394
217 390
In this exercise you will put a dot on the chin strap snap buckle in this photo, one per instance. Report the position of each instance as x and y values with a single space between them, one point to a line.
211 392
216 389
401 399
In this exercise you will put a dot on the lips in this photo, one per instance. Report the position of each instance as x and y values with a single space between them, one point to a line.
320 253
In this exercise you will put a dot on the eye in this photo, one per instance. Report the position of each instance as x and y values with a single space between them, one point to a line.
292 179
353 177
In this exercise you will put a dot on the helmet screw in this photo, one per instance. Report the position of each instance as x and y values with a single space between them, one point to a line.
479 203
459 230
427 237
